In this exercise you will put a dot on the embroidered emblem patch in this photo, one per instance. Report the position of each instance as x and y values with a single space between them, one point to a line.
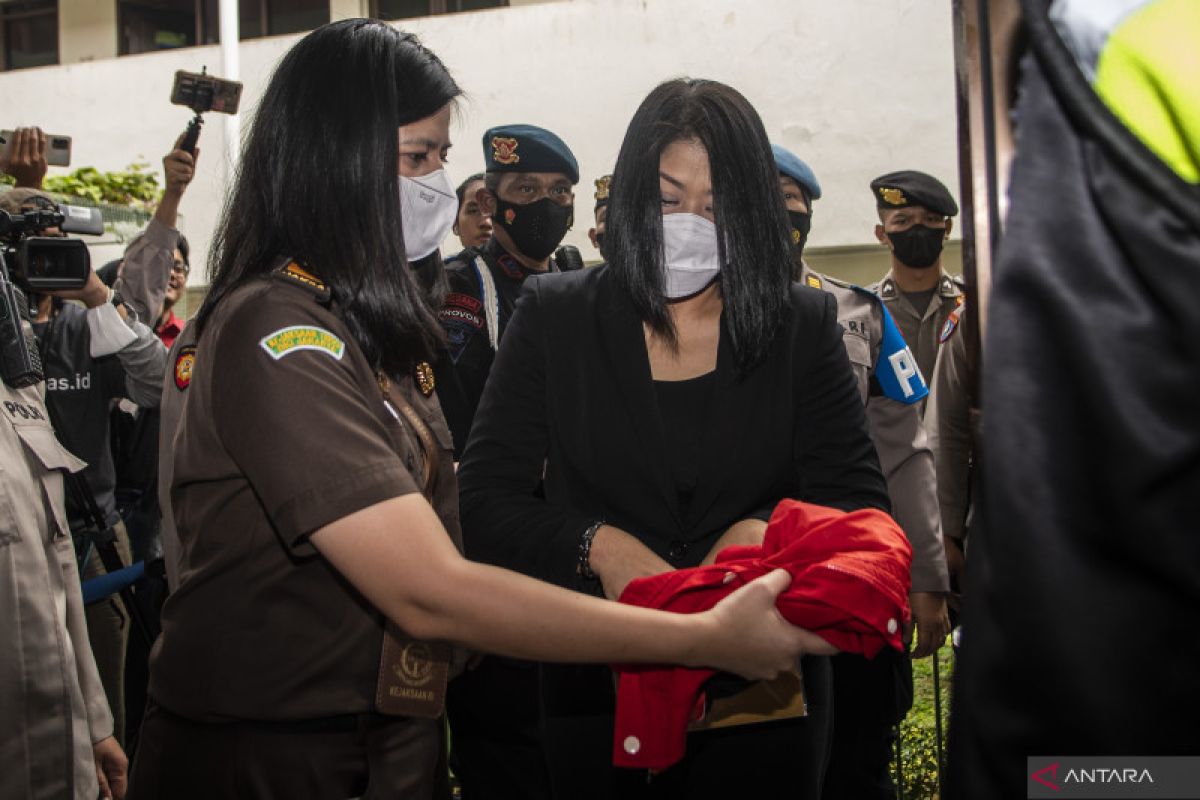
465 301
949 326
893 197
184 363
504 150
509 216
425 381
301 275
302 337
602 187
796 235
813 281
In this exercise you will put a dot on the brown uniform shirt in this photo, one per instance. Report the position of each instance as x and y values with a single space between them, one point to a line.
922 331
897 432
951 424
282 430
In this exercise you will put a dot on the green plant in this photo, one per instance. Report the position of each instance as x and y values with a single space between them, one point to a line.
134 186
918 730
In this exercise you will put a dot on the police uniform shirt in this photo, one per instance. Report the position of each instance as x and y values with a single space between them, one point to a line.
283 429
51 700
922 329
950 425
892 389
463 368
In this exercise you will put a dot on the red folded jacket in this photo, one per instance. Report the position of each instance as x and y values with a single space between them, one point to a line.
850 582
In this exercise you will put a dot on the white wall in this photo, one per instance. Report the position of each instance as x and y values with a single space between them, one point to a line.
857 88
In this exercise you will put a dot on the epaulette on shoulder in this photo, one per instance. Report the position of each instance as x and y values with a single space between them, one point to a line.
854 287
296 275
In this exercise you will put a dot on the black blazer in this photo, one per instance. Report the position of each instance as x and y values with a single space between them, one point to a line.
571 392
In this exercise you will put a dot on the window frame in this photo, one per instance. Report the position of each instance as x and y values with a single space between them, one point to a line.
6 17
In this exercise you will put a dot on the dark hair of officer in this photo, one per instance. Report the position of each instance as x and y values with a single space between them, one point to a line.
462 187
317 183
750 217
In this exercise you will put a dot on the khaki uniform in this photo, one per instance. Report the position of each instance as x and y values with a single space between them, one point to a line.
950 424
922 331
52 704
899 436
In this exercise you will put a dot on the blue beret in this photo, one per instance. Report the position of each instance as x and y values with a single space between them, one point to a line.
790 165
912 188
528 148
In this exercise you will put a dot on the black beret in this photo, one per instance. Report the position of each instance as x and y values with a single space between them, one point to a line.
528 148
912 188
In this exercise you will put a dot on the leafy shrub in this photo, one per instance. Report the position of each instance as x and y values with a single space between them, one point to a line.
134 186
918 731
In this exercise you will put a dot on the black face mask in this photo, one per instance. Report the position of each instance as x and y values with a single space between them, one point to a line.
918 247
536 228
801 225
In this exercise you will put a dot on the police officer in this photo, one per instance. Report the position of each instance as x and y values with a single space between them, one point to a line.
596 234
58 739
867 702
528 193
493 708
915 220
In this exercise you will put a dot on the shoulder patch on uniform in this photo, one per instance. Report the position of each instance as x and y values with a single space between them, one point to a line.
886 288
184 363
813 280
296 274
897 371
302 337
950 326
464 301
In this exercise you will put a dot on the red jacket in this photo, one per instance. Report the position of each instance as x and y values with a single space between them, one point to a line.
850 583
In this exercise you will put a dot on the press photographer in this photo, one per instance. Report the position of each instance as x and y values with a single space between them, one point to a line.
91 356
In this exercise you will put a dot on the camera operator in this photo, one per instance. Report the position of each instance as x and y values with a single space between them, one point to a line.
59 739
92 357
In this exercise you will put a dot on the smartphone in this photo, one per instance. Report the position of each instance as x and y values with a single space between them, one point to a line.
58 148
203 93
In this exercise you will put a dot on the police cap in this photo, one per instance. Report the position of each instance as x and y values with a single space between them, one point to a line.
528 148
789 164
912 188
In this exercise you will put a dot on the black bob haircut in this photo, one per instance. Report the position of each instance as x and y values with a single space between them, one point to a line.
752 223
317 182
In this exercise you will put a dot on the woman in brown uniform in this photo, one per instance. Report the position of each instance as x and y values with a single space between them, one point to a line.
312 484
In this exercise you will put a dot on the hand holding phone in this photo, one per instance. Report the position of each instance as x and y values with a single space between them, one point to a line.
26 152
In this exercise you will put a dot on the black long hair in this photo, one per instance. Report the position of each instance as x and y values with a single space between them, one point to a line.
751 220
317 182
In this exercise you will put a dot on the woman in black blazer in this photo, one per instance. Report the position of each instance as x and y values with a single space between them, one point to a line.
645 414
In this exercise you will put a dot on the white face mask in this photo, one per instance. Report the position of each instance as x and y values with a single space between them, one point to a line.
690 256
428 207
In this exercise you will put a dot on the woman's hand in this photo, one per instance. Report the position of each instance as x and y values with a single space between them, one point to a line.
743 532
618 557
751 637
111 768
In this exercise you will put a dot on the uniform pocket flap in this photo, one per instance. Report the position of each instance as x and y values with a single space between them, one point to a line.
858 349
42 442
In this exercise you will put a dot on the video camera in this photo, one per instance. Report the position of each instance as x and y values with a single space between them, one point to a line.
38 264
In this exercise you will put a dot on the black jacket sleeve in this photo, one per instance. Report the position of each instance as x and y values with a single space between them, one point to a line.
837 464
505 520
